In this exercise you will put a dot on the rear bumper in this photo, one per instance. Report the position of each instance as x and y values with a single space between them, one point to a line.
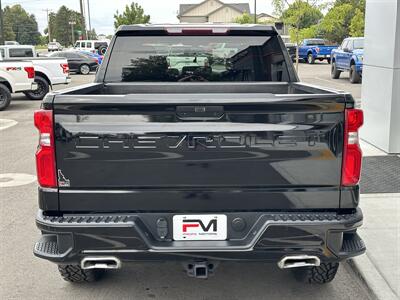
61 80
135 237
324 56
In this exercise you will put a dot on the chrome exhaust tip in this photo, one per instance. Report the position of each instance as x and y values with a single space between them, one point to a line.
298 261
100 262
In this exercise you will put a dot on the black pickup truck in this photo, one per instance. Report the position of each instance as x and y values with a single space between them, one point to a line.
227 157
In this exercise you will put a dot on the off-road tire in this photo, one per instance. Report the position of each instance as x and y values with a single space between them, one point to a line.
102 50
354 76
324 273
42 90
335 73
75 274
310 59
5 97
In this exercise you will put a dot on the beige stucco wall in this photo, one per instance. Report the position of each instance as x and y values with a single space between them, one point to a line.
267 19
193 19
225 15
204 9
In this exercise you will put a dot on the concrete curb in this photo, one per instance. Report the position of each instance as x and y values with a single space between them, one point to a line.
367 271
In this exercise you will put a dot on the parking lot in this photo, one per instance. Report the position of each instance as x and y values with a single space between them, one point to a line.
23 276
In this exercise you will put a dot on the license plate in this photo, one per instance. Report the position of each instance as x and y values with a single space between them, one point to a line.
199 227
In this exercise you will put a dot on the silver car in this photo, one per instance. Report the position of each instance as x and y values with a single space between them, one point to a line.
54 46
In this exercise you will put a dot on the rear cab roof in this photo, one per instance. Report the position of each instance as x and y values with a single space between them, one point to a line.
219 28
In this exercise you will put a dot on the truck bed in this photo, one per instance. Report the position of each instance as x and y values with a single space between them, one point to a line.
276 89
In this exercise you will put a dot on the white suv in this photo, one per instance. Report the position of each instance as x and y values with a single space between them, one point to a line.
94 46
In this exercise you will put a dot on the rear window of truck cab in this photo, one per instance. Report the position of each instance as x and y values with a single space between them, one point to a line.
20 52
191 58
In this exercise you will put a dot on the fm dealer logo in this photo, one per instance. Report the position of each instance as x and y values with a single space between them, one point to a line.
195 223
200 227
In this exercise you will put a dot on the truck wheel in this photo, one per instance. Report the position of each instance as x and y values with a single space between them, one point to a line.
324 273
84 69
102 50
310 59
42 90
354 76
5 97
335 73
74 273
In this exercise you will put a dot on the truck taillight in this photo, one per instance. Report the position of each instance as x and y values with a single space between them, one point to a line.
45 154
65 68
352 155
30 71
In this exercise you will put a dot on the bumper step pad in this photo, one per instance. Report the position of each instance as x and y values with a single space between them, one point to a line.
352 245
47 246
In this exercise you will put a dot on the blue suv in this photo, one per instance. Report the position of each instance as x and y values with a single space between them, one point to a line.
349 58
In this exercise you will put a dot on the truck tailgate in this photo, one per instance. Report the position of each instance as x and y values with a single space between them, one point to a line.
185 154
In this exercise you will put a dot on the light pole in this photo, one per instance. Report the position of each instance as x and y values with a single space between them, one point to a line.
83 20
255 11
72 23
90 25
48 22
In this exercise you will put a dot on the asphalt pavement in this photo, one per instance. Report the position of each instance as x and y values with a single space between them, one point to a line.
23 276
320 74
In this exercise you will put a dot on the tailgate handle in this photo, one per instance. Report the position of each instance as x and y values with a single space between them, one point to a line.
200 112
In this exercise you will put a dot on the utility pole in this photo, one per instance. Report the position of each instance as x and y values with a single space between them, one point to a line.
2 38
255 11
72 23
48 22
90 25
83 21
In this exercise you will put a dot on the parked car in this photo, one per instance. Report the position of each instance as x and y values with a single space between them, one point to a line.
94 46
15 77
48 71
349 58
54 46
184 58
78 62
9 43
94 55
315 49
245 164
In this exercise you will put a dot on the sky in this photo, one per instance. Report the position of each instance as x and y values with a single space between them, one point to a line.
102 12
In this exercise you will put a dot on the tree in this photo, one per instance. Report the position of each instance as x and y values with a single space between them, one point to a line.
310 15
60 28
9 34
360 4
245 18
345 18
21 26
357 24
298 15
304 33
133 14
92 35
336 24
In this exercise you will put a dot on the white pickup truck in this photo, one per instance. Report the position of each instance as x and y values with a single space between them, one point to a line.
15 77
48 71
